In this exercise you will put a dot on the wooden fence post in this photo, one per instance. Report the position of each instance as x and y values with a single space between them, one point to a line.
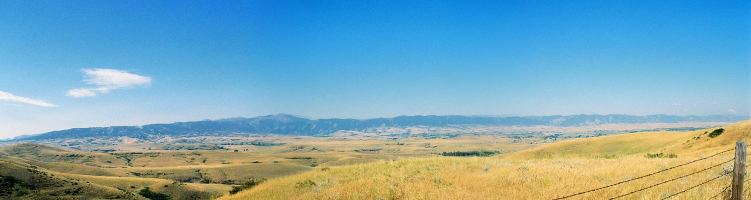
739 170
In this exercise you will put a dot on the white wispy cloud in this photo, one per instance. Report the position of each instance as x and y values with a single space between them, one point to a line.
10 97
81 92
106 80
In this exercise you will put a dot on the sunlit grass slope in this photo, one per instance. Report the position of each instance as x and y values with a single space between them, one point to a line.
546 172
176 190
692 143
42 153
43 172
26 182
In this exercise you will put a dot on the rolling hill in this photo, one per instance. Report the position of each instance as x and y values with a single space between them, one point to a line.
546 172
33 171
681 143
18 179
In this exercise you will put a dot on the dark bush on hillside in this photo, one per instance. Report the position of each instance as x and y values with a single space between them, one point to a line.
716 132
305 184
146 192
661 155
298 157
7 185
607 156
206 180
247 185
470 153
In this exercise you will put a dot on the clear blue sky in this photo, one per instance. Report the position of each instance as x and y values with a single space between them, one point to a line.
66 64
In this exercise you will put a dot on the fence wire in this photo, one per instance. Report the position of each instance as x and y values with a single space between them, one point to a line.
723 191
705 182
644 176
684 176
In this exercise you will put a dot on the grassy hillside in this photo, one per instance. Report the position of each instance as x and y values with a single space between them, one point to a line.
174 189
691 144
545 172
28 182
32 171
42 153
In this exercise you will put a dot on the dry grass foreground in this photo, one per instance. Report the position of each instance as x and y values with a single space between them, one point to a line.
546 172
192 174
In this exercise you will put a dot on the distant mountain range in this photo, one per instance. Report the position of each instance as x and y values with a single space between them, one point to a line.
290 125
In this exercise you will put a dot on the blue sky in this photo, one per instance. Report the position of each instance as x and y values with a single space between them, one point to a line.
67 64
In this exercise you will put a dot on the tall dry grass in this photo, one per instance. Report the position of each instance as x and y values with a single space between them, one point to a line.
495 178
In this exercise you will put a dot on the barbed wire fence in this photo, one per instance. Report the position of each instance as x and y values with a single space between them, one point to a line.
736 186
721 192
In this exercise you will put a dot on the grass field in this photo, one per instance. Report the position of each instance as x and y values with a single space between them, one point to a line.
485 178
545 172
205 174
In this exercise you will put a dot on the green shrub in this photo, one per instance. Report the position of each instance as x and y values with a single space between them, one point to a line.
247 185
470 153
661 155
146 192
305 184
608 156
206 180
299 157
7 184
716 132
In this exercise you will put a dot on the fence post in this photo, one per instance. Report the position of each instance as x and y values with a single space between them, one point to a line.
739 170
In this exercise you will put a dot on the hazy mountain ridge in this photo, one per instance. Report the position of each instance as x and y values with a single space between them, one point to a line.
290 125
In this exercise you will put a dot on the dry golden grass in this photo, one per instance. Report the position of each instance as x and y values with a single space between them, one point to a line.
174 189
681 143
274 161
546 172
47 185
490 178
124 174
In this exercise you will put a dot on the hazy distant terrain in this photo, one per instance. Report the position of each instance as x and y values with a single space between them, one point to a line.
291 125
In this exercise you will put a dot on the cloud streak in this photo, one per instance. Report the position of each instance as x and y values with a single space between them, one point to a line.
106 80
10 97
